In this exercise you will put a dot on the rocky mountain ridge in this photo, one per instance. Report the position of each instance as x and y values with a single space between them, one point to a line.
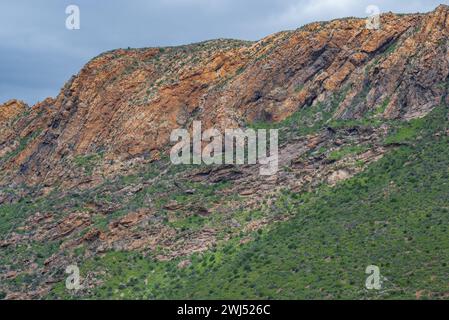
86 174
124 103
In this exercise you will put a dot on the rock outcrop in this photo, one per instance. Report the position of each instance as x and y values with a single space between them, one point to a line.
11 110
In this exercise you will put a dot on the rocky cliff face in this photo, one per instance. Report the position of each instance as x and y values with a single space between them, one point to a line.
11 110
115 117
124 103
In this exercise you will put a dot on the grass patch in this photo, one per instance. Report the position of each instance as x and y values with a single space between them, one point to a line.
349 150
88 162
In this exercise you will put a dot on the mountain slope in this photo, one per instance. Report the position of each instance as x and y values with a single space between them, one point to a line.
85 177
394 215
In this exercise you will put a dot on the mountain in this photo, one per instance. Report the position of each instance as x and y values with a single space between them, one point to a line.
363 117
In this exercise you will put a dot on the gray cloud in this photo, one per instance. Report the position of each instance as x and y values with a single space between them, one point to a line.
38 54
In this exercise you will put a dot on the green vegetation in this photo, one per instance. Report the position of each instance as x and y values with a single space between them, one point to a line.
308 120
381 109
418 129
299 87
391 48
88 162
13 216
22 145
394 215
350 150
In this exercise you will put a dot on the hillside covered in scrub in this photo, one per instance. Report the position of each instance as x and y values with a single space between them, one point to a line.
363 119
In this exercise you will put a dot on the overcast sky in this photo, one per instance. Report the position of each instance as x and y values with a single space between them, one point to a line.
38 54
